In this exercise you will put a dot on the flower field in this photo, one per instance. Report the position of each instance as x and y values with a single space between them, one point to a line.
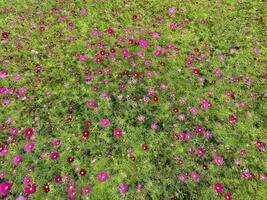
133 100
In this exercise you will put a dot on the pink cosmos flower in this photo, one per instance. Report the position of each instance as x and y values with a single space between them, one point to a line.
205 104
16 78
200 151
173 25
194 110
154 125
29 146
3 150
83 58
27 180
218 72
195 176
183 177
182 117
261 145
218 160
143 43
171 11
86 190
103 176
232 119
56 142
16 160
5 187
2 175
118 132
14 131
123 188
141 118
84 11
3 74
105 122
218 187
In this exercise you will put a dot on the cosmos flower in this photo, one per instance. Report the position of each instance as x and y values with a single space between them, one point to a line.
5 187
218 187
123 188
29 146
3 150
105 122
103 176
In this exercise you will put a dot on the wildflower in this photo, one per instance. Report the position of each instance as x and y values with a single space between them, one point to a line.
218 187
3 150
143 43
171 11
103 176
86 190
195 176
105 122
200 151
30 189
16 160
118 132
54 155
218 160
5 187
123 188
183 177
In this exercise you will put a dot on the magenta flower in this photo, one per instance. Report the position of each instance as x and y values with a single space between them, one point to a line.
29 146
5 187
123 188
27 180
194 110
232 119
103 176
118 132
16 160
14 131
3 74
218 187
171 11
86 190
21 198
261 145
30 189
183 177
200 151
195 176
218 160
84 11
56 142
3 150
105 122
54 155
205 104
143 43
29 132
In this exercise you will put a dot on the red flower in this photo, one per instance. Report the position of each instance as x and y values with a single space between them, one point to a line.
144 147
83 172
5 35
28 132
218 187
228 196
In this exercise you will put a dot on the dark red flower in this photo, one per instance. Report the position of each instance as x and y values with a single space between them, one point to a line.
82 172
144 147
5 35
